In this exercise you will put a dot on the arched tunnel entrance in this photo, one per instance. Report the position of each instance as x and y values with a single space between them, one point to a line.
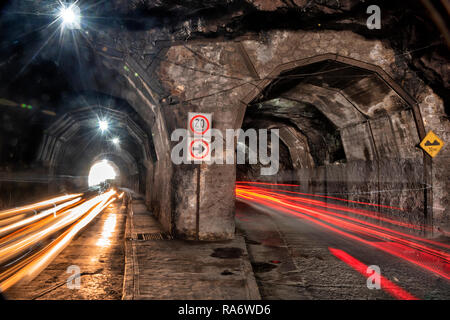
102 171
345 130
88 135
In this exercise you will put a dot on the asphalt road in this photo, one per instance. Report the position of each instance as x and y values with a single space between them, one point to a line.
292 259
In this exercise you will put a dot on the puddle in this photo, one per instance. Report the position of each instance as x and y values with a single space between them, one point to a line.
227 253
260 267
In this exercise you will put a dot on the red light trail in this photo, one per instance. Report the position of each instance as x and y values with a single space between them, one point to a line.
386 285
240 183
422 252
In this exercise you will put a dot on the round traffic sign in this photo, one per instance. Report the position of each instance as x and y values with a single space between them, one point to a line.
199 124
199 149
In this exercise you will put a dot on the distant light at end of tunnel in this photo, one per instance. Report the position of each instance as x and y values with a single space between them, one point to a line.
100 172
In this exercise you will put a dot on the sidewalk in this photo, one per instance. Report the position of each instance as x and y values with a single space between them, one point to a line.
160 268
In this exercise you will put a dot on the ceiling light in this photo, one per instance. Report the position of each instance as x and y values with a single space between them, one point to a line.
103 125
70 16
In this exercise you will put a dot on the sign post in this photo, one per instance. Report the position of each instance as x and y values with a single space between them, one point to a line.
199 149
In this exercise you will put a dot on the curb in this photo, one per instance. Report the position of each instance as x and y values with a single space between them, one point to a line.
129 283
251 285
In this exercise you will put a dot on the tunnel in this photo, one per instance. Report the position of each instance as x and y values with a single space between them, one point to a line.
342 128
101 171
75 142
315 119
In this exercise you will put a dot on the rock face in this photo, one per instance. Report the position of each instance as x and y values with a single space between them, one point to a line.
351 103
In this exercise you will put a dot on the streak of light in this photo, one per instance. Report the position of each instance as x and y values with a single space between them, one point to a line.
12 219
16 243
39 205
121 195
320 196
36 217
402 245
386 284
44 230
29 268
373 215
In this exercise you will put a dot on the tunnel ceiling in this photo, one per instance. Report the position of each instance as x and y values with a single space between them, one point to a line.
322 98
323 138
172 20
37 68
74 140
361 89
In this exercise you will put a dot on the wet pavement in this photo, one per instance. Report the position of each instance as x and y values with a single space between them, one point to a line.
291 259
97 252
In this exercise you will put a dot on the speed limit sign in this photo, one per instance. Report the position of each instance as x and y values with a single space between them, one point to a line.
199 124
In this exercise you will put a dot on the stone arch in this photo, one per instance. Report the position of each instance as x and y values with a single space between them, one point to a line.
373 112
383 75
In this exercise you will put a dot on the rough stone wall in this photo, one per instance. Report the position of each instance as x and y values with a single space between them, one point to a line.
435 119
215 77
218 77
204 78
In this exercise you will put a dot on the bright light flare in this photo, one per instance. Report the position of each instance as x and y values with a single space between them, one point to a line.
70 16
100 172
116 141
103 125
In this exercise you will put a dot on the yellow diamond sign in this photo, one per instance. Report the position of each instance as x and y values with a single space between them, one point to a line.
432 144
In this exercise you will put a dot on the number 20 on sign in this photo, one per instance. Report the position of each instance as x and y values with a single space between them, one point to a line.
199 124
